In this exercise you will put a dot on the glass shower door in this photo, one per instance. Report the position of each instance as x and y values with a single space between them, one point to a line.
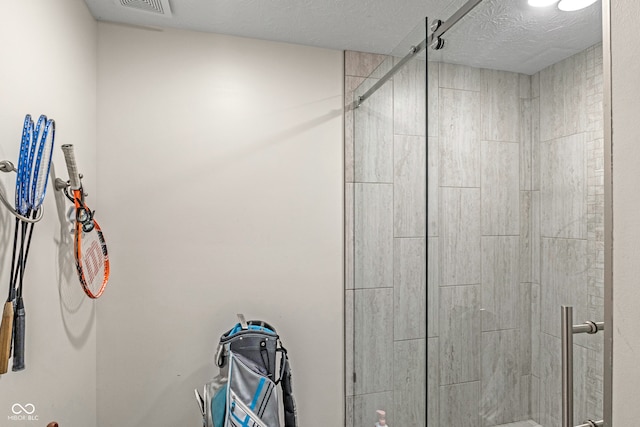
386 242
475 199
515 229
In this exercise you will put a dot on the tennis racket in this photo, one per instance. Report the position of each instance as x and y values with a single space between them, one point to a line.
90 248
6 328
40 157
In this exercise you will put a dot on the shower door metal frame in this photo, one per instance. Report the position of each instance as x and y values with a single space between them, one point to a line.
608 217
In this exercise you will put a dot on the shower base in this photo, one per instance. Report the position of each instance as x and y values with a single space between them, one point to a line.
521 424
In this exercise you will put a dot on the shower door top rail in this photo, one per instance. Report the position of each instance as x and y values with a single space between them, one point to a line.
438 31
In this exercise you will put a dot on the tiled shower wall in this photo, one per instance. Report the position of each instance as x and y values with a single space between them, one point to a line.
514 230
567 195
385 244
480 366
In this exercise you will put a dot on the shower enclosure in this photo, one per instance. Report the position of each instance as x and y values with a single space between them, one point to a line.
474 211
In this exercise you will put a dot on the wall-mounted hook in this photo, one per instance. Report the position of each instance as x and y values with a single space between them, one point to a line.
7 166
62 185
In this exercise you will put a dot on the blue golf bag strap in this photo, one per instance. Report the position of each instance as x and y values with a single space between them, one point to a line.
289 403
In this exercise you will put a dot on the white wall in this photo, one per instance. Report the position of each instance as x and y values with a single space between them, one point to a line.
220 165
48 66
625 40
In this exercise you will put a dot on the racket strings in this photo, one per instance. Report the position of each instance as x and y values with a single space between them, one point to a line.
43 163
23 171
92 260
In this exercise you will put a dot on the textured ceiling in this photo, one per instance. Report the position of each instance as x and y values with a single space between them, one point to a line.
501 34
510 35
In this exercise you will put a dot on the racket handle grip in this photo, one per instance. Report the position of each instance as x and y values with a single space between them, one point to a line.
72 168
18 338
5 336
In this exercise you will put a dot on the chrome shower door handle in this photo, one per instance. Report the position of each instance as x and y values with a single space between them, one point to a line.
568 329
567 365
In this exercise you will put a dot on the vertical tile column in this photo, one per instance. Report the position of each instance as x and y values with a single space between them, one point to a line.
459 232
368 243
410 322
505 297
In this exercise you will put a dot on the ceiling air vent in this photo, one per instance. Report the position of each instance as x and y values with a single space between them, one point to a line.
157 7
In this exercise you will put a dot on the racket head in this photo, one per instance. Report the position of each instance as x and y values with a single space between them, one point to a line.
92 258
42 163
29 170
22 175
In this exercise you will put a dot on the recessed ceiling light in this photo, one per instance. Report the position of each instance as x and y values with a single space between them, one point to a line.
571 5
541 3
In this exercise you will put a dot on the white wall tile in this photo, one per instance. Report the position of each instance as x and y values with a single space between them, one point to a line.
563 98
500 105
409 186
373 258
454 76
552 102
459 138
361 64
500 188
409 382
563 195
373 136
575 93
563 282
460 405
502 397
410 288
500 283
459 240
373 339
350 84
459 334
550 397
409 101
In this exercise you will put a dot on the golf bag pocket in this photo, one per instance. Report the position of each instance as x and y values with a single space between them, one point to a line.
252 397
